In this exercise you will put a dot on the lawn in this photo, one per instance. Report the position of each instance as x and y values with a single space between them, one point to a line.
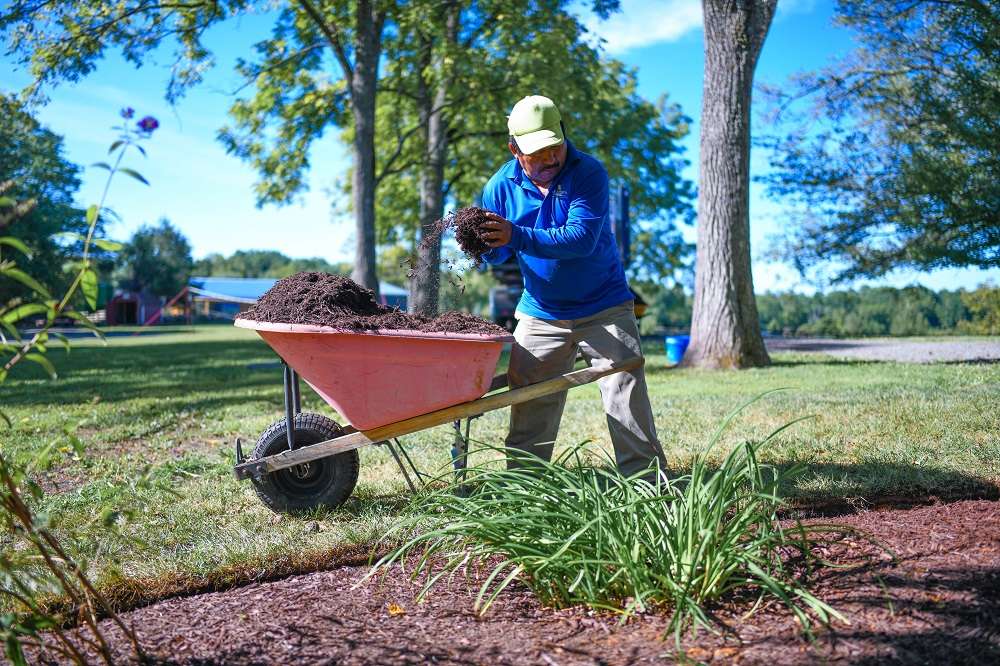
158 414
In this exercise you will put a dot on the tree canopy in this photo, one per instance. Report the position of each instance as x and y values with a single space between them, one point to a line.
157 259
442 125
33 165
320 69
894 161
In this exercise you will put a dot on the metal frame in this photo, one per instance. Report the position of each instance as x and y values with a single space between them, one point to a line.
385 435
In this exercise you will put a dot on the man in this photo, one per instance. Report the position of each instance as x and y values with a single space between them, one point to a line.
549 208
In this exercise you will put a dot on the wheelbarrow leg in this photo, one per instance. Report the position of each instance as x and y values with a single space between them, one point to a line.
293 401
460 453
392 445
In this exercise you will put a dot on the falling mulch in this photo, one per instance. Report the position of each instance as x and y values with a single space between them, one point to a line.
467 223
934 599
324 299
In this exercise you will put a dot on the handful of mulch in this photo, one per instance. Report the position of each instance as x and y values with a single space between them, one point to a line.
467 223
324 299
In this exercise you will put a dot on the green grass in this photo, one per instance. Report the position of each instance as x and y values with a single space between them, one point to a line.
172 402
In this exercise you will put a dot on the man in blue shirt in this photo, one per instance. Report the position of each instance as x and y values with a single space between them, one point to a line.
549 208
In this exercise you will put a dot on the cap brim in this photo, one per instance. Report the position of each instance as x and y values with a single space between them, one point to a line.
532 142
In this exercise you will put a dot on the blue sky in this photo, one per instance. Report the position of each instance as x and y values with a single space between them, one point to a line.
208 194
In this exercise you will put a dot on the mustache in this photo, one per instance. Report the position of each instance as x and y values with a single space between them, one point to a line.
554 165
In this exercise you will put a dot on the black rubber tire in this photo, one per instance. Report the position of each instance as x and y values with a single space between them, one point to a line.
326 482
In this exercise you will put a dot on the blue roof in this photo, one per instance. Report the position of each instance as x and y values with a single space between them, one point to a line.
248 290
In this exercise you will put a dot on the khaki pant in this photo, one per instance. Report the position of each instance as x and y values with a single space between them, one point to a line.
545 348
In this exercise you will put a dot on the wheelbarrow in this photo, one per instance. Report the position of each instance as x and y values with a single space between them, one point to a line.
385 384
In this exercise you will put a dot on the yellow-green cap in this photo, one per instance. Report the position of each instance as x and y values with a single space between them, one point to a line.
535 123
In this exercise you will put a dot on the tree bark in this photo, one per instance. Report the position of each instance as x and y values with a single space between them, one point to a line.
425 281
725 331
363 83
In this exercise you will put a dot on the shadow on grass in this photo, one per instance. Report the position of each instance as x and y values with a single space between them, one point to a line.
853 487
185 371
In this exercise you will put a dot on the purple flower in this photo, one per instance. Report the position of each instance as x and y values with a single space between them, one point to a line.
148 124
127 112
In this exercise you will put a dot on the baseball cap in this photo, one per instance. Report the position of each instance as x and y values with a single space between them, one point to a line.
535 123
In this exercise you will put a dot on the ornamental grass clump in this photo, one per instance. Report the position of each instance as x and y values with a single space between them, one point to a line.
576 533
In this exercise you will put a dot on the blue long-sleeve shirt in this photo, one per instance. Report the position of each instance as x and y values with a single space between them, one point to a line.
563 241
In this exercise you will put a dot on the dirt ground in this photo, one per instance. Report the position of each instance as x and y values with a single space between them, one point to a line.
930 594
901 350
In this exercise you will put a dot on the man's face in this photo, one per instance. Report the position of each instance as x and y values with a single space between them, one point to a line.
541 166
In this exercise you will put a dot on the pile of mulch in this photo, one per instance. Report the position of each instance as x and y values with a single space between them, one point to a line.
934 599
467 223
324 299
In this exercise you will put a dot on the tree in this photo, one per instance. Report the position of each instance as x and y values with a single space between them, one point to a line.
157 260
725 332
459 69
894 159
296 97
33 166
295 100
984 311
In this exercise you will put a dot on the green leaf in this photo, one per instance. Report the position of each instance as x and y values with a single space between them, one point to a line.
7 201
26 280
115 145
109 245
102 165
140 148
63 339
22 311
92 214
135 174
86 323
17 244
13 333
88 284
44 362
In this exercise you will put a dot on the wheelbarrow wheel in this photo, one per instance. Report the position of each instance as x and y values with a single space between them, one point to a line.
326 482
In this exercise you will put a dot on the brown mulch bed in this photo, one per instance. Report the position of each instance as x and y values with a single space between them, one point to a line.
937 601
325 299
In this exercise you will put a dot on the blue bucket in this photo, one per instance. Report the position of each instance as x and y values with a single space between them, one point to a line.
676 345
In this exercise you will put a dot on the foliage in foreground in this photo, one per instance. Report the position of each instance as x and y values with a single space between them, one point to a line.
575 533
35 566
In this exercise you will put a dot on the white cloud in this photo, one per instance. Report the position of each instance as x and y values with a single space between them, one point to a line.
645 22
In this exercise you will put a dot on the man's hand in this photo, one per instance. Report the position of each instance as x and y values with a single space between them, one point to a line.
498 230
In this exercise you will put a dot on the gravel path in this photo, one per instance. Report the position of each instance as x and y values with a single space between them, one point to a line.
902 350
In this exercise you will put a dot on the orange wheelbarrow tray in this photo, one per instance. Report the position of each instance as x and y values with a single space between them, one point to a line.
385 384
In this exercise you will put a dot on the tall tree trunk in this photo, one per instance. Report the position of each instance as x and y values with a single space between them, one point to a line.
364 81
425 281
725 331
426 278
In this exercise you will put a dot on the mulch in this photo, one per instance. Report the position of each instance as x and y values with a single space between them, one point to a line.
929 594
324 299
469 234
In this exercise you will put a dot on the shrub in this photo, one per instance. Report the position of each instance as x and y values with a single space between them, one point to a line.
576 533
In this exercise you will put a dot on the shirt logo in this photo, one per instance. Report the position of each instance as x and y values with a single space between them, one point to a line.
559 192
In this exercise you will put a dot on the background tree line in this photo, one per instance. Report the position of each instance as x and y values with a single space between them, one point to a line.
847 313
